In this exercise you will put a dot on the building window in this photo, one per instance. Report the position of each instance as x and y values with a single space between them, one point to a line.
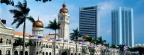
37 53
8 52
50 53
43 53
0 52
46 53
1 40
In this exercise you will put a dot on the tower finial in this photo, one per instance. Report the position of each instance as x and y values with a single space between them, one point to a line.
64 5
38 17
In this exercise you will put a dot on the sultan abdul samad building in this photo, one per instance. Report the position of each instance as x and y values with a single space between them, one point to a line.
38 44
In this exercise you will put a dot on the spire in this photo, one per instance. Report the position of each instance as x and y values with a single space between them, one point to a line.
38 18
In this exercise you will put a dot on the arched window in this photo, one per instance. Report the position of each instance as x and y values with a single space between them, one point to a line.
71 53
50 53
16 53
46 53
43 53
37 53
0 52
21 52
37 43
75 53
46 46
7 41
26 53
8 52
34 43
1 40
79 53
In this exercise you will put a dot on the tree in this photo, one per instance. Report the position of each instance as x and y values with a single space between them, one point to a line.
18 42
7 2
53 25
11 2
100 40
76 34
113 46
20 15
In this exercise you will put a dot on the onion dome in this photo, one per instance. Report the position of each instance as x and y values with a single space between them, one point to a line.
64 9
38 23
85 36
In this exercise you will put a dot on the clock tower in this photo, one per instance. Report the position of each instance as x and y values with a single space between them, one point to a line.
63 20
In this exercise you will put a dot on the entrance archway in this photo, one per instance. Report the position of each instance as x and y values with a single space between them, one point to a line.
0 52
21 52
16 53
26 53
43 53
50 53
46 53
64 53
8 52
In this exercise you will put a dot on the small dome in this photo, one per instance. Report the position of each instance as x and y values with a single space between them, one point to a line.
64 9
38 23
85 36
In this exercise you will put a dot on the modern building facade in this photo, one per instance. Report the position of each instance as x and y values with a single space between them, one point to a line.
89 21
122 26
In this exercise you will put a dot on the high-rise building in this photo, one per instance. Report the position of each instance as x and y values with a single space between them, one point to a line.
89 21
122 26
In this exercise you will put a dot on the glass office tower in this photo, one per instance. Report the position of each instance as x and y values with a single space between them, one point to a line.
89 21
122 26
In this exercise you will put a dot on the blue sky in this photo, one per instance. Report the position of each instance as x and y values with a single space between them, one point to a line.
48 11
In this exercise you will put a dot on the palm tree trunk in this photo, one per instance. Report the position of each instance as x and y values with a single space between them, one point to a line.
55 42
76 46
24 28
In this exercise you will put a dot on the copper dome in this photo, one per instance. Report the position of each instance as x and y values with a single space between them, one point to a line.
85 36
64 9
38 23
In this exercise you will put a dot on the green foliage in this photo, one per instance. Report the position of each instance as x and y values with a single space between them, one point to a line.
7 2
113 46
18 42
20 13
84 50
30 42
100 40
11 2
121 47
53 25
43 0
75 34
90 39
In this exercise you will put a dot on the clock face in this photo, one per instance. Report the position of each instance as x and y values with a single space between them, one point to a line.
61 18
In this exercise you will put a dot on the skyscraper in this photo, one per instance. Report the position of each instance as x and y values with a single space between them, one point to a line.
122 26
89 21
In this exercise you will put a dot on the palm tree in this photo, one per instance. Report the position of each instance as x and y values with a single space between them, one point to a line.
100 40
76 34
20 15
53 25
92 41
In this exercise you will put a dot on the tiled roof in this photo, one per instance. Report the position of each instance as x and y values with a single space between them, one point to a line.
21 34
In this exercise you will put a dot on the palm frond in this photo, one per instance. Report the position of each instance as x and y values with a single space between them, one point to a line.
16 13
15 20
53 25
20 22
31 19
